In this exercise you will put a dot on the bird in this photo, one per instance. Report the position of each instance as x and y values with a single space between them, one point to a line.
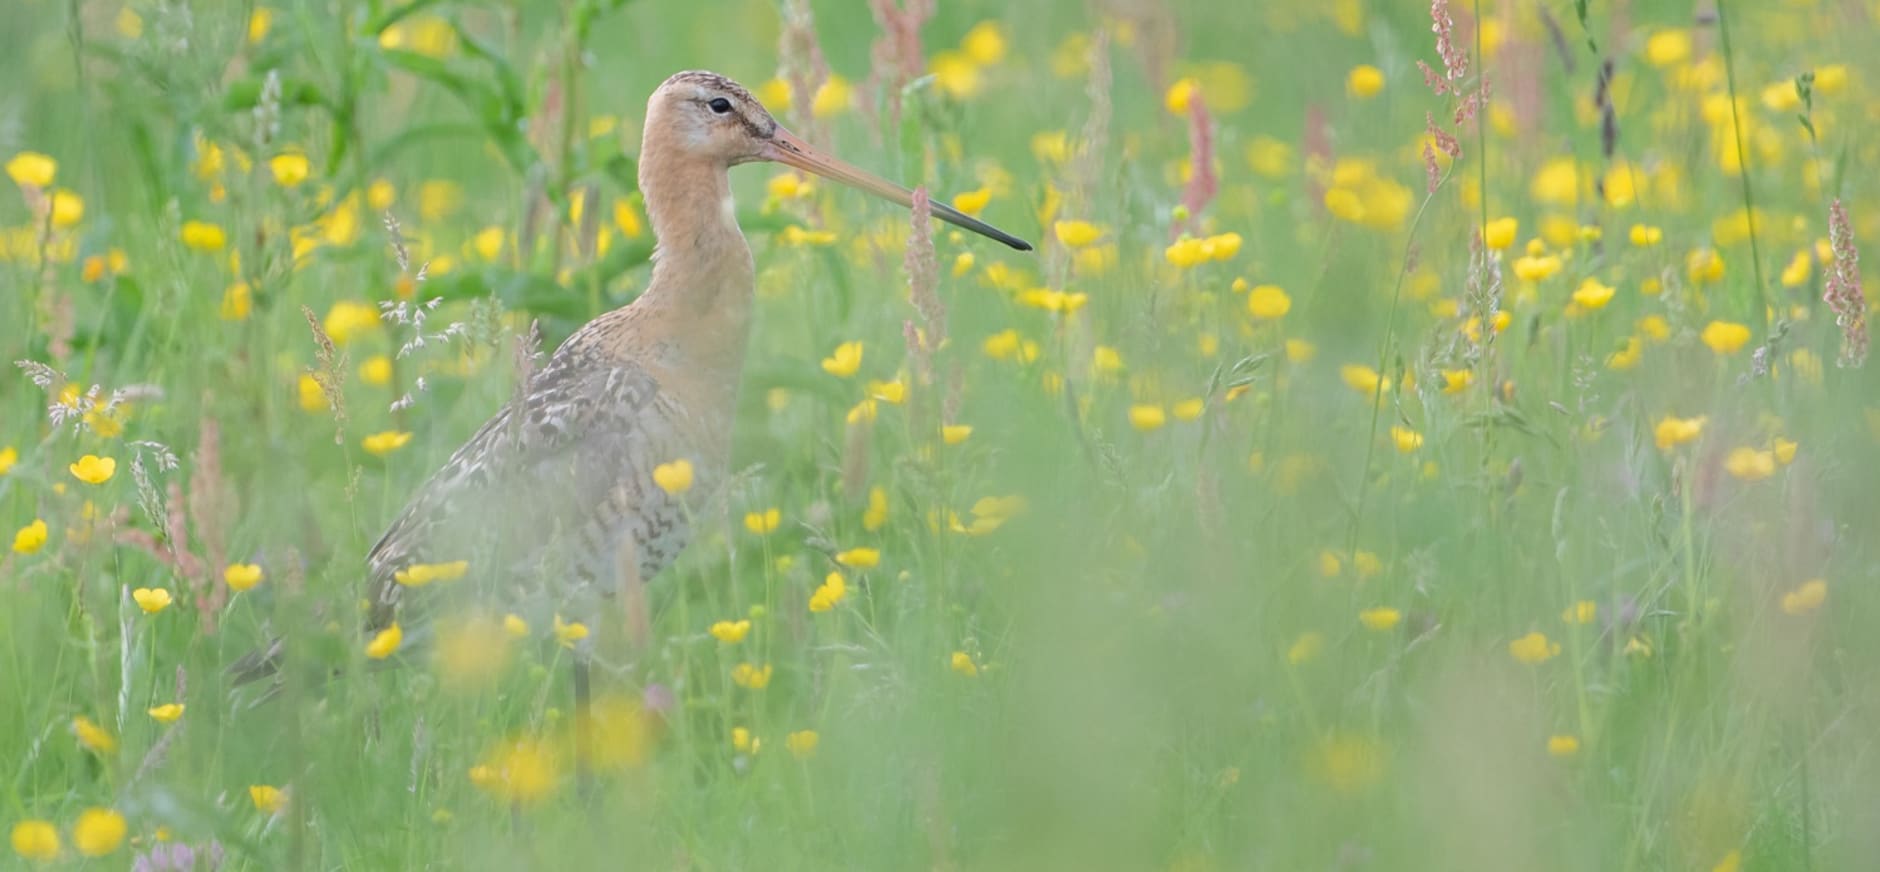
559 485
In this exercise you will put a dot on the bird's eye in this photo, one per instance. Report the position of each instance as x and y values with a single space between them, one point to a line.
720 105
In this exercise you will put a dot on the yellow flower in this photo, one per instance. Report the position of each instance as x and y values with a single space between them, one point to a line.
386 643
471 649
1270 157
98 832
1731 862
1077 234
1379 619
312 397
30 169
750 676
799 236
203 236
627 220
1645 235
763 523
876 514
152 599
1456 381
36 839
1268 302
1222 246
68 208
1533 648
1056 302
1406 439
674 478
1668 47
237 302
376 371
1563 746
845 361
1147 417
267 798
289 169
92 737
30 538
790 186
1655 327
241 576
8 456
569 632
830 592
1500 233
1364 81
774 94
1557 182
954 434
743 742
859 558
1749 464
421 574
894 392
166 713
1582 612
984 43
972 203
1784 450
1703 267
1673 431
385 442
1349 764
1591 295
1725 337
1536 268
1798 270
1181 94
1187 252
731 632
833 98
488 243
1189 409
258 23
348 319
1363 379
1305 648
515 626
962 663
1805 598
520 771
92 469
802 743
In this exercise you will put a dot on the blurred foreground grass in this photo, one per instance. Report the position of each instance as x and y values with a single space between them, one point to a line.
1396 492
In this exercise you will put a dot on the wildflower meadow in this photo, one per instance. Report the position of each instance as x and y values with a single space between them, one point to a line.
1427 436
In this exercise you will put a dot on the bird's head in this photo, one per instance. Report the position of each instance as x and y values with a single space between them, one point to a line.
706 115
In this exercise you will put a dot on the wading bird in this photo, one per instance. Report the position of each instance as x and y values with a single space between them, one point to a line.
559 485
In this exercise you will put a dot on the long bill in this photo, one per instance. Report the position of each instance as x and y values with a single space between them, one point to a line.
785 148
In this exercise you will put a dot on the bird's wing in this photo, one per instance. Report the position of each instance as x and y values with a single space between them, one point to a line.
544 462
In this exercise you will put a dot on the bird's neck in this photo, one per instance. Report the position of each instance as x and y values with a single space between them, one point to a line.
703 263
701 291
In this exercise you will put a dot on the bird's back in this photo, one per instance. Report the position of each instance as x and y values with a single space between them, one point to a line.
544 496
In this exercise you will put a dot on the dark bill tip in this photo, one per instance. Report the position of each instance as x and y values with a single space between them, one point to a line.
962 220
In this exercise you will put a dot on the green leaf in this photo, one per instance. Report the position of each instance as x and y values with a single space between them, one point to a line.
246 92
384 20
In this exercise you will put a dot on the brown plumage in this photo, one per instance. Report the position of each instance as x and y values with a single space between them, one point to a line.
555 496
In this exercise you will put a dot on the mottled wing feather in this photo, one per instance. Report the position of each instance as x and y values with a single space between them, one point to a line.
543 466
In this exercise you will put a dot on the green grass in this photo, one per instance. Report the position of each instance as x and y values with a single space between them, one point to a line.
1290 633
